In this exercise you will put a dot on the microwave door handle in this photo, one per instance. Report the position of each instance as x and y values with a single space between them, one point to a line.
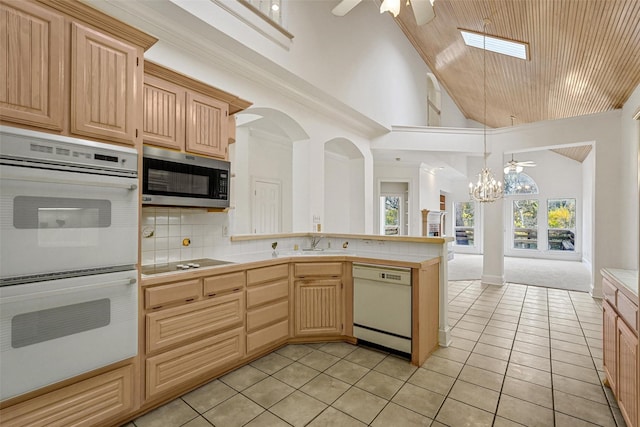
73 289
129 187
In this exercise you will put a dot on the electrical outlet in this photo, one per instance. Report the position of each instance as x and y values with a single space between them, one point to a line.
225 231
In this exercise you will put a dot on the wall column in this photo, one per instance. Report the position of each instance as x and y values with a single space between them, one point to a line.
493 231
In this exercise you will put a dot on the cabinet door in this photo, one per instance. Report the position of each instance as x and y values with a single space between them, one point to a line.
193 362
207 122
187 322
609 346
172 294
32 65
318 307
90 402
627 374
163 113
104 103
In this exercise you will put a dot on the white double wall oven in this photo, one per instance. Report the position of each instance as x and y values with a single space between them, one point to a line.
68 255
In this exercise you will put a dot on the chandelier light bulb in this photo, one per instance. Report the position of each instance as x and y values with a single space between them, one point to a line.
392 6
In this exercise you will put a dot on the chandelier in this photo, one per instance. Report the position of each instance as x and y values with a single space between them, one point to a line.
487 189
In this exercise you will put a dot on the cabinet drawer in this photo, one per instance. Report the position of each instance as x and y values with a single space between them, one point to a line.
266 293
87 403
185 322
318 269
195 361
267 274
224 283
628 311
172 293
268 314
609 292
267 336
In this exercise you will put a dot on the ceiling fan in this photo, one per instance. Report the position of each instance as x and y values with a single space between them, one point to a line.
517 167
422 9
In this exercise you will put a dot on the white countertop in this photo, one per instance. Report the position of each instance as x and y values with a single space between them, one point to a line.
292 256
627 278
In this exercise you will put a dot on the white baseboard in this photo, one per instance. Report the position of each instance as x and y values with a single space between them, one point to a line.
488 279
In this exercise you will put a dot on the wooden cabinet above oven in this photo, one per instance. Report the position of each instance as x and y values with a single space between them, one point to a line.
187 115
71 69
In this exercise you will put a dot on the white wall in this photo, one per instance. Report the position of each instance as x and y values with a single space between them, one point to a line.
630 134
588 208
343 194
271 159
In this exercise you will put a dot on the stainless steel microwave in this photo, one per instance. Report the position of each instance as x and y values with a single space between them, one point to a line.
171 178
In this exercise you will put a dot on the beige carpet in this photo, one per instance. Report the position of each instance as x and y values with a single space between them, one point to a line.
570 275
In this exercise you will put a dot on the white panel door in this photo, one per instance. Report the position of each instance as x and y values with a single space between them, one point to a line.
266 212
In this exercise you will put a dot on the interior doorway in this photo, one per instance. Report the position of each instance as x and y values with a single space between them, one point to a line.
394 209
266 216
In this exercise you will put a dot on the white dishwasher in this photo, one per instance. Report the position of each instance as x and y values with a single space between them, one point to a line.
382 306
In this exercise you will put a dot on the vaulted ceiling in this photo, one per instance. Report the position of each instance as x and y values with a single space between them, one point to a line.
584 56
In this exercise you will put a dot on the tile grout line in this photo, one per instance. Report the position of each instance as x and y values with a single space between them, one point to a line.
470 353
504 378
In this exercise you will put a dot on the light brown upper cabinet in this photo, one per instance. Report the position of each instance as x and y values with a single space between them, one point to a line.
187 115
32 65
103 85
70 69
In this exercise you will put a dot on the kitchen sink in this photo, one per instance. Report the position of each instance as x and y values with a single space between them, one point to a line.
315 252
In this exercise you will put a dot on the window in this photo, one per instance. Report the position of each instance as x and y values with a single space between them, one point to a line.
561 221
519 183
464 226
392 214
271 9
525 224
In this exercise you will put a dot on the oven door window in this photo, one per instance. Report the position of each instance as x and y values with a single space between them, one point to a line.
46 325
62 222
166 178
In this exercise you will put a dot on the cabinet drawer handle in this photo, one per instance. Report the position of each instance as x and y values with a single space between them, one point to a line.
189 300
211 295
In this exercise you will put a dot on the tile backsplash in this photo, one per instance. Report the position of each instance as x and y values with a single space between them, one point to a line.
175 234
165 229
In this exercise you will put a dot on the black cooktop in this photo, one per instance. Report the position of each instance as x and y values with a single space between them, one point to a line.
182 265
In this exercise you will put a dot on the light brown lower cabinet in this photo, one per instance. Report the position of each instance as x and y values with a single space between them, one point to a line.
90 402
609 346
628 374
190 362
267 307
318 307
201 318
620 350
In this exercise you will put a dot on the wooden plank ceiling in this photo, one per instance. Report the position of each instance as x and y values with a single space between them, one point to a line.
578 153
584 56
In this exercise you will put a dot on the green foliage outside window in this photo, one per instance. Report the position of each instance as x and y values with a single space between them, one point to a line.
464 214
525 213
562 214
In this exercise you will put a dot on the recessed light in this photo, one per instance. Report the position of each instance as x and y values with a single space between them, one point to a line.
496 44
275 7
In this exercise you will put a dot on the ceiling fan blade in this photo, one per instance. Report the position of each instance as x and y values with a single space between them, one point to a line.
423 11
527 163
344 7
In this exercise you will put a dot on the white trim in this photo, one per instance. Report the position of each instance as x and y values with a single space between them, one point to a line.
488 279
250 19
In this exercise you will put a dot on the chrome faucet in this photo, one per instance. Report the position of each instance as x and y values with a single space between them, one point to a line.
315 240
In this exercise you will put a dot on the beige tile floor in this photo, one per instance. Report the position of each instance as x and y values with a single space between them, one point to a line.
521 355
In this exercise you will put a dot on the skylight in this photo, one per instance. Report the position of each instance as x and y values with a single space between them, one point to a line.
495 44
